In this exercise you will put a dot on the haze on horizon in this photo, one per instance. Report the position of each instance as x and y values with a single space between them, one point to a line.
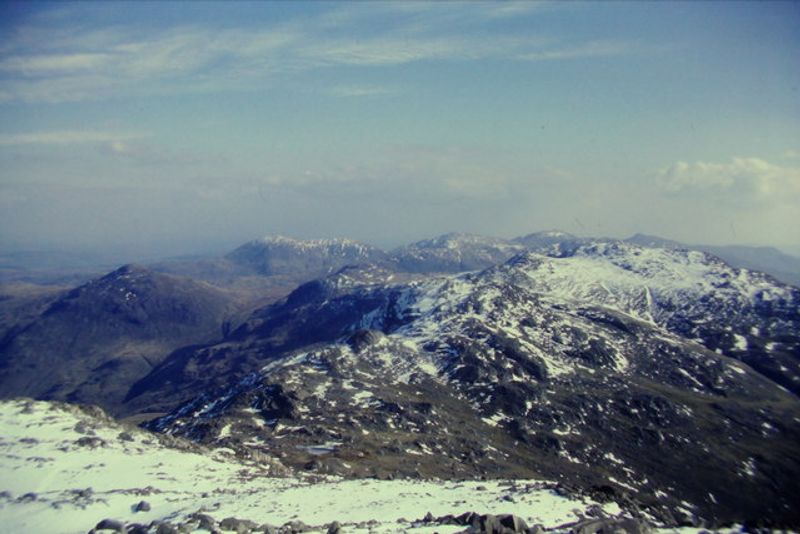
181 127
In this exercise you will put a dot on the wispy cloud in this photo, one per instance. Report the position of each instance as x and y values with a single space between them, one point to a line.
356 91
593 49
72 64
129 147
33 65
65 137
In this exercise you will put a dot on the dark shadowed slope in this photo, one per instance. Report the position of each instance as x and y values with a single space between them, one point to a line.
90 344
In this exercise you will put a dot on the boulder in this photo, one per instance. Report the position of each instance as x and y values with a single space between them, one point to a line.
490 525
469 519
294 527
90 441
611 526
28 497
512 522
111 524
240 526
142 506
205 521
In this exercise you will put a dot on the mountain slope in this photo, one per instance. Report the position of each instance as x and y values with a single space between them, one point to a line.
609 366
769 260
90 344
740 313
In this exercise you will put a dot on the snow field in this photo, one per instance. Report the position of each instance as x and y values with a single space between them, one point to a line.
40 454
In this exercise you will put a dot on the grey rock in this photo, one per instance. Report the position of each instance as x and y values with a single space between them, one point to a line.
142 506
335 528
512 522
611 526
448 519
166 528
240 526
205 521
294 527
85 493
90 441
469 519
111 524
28 497
82 427
490 525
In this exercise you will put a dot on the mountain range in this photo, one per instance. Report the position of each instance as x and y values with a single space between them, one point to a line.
642 371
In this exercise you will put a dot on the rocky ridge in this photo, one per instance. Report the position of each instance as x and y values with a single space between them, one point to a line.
276 255
597 366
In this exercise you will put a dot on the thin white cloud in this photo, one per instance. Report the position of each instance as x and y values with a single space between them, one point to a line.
48 63
592 49
123 60
512 9
746 175
431 15
66 137
356 91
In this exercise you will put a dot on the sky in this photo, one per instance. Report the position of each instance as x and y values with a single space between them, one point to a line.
167 129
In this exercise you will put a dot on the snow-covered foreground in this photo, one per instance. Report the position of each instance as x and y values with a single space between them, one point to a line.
41 454
62 470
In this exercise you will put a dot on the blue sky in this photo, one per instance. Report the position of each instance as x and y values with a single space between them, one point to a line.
172 128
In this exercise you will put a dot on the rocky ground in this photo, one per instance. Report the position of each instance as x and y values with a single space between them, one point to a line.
68 469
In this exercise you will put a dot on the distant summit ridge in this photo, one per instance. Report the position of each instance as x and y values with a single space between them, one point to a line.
455 252
274 239
275 255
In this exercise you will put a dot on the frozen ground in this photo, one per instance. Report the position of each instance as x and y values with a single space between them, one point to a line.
62 470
